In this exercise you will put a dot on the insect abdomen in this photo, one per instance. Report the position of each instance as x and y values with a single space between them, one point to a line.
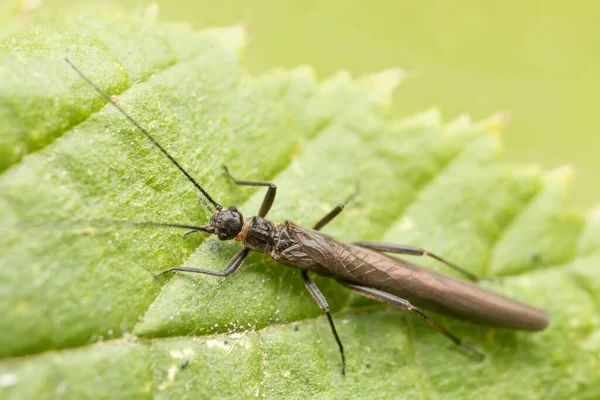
442 293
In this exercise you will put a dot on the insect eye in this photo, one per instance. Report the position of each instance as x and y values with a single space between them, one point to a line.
222 236
233 208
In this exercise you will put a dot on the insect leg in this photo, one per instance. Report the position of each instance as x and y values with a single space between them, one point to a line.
269 197
405 305
234 264
335 212
414 251
322 303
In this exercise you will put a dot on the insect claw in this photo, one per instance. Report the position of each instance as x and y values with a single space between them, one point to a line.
190 232
474 352
161 273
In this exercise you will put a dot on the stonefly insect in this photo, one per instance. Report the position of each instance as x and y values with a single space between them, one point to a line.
362 267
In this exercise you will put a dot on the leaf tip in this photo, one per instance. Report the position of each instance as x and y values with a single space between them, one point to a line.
595 212
562 176
232 38
458 125
384 83
497 122
431 117
152 11
589 241
559 181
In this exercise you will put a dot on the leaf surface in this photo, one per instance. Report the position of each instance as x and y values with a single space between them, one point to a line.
83 315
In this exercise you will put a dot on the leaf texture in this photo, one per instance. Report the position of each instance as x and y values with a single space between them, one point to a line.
84 317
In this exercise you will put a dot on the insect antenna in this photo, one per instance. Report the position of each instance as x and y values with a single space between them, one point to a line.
92 224
190 228
150 137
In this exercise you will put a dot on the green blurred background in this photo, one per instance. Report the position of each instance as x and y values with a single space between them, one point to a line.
540 60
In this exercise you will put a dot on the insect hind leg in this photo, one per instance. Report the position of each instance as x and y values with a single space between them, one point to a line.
415 251
390 299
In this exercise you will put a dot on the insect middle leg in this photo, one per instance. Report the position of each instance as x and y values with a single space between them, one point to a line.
414 251
336 211
406 305
269 197
234 264
322 303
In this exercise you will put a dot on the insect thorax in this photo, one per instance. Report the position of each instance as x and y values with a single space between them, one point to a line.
258 234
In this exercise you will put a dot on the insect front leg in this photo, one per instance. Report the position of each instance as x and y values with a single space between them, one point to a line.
414 251
336 211
269 197
406 305
322 303
234 264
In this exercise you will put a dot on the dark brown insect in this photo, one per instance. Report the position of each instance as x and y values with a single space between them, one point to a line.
362 267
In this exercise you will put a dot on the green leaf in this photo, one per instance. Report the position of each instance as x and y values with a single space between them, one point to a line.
83 315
